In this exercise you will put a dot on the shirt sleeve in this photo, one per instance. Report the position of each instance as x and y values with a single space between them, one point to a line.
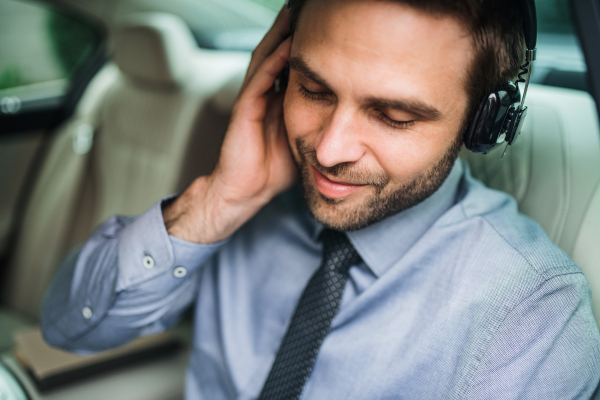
130 278
548 347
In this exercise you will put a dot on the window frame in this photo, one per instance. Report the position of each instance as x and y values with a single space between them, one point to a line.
21 113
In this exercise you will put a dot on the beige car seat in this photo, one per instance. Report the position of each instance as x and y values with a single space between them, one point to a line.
553 171
142 131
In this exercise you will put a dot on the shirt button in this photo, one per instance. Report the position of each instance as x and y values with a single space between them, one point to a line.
179 272
87 312
148 262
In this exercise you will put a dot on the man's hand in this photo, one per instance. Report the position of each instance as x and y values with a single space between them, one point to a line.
255 163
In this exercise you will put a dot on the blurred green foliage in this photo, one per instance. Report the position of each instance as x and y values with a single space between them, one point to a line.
272 4
10 77
72 41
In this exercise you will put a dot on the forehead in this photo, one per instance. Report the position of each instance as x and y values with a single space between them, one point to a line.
383 46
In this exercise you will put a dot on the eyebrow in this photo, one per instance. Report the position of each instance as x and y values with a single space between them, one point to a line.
298 64
415 107
412 106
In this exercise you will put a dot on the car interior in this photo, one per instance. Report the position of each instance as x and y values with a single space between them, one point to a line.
108 106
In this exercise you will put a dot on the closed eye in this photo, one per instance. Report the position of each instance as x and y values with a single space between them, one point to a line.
392 122
312 95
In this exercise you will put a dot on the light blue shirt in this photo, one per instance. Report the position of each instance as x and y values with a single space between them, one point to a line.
459 297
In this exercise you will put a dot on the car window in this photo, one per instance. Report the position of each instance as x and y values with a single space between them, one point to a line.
40 50
230 25
560 61
554 16
272 4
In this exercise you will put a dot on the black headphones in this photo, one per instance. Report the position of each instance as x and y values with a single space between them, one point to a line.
500 117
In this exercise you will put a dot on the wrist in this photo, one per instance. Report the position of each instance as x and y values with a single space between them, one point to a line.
181 216
203 214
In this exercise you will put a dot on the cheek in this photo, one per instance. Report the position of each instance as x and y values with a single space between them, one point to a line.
406 157
301 118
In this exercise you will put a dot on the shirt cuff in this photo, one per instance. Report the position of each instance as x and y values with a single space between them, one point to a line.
192 255
146 251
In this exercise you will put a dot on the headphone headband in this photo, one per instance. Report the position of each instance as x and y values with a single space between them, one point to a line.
530 24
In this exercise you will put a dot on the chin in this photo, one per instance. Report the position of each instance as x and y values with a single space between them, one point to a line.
370 206
344 215
351 213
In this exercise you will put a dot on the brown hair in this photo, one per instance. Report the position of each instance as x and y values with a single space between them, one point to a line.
498 38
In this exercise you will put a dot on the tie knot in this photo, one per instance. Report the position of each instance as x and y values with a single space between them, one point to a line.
338 252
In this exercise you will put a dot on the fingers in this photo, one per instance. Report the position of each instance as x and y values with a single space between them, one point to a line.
265 75
277 34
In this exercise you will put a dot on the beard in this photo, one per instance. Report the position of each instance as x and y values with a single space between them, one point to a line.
385 200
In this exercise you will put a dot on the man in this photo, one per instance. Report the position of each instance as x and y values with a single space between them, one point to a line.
402 277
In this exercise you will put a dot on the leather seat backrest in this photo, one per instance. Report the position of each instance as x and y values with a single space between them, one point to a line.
155 126
553 171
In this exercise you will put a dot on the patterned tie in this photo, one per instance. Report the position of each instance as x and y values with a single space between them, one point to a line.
317 307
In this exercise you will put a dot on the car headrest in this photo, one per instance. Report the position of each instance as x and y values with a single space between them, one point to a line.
154 48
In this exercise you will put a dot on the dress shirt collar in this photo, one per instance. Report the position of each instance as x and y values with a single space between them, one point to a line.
382 244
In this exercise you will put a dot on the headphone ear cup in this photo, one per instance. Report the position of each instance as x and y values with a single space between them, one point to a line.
488 128
473 133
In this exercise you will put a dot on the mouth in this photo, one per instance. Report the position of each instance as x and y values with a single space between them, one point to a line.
334 189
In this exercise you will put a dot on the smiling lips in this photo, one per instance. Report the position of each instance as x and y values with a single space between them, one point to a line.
333 189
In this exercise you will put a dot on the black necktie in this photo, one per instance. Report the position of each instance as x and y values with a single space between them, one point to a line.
315 310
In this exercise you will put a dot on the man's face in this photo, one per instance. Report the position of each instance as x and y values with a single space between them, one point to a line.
374 106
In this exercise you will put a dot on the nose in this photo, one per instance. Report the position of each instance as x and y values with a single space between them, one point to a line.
339 141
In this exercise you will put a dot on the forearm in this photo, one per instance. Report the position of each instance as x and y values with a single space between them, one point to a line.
110 292
82 293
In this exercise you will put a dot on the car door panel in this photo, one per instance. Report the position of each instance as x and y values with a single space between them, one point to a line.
16 155
47 58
